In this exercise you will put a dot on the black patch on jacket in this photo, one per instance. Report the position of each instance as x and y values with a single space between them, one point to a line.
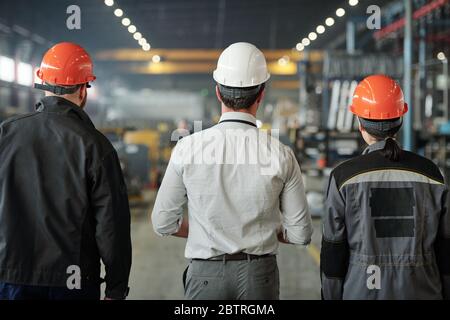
334 258
389 207
392 202
442 250
391 228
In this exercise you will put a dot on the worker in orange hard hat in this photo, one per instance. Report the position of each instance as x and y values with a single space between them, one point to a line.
66 69
64 205
386 229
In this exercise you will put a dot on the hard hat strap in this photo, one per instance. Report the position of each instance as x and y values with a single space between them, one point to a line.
237 93
58 90
380 125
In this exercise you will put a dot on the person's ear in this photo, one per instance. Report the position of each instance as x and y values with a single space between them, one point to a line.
261 96
218 94
83 92
360 127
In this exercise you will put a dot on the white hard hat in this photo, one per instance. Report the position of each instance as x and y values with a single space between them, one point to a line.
241 65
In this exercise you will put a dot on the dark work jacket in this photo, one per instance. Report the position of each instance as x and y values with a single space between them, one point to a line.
63 201
386 229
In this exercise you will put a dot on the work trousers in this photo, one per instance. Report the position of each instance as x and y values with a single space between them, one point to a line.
252 279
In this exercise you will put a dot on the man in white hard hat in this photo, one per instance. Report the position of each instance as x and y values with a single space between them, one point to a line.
243 189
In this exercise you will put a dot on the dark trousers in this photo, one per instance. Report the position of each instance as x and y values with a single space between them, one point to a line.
22 292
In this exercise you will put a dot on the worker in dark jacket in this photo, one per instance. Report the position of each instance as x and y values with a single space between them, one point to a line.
386 229
63 201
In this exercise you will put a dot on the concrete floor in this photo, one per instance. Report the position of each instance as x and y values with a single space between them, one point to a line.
158 264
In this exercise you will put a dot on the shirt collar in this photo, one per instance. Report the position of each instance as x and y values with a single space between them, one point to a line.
63 106
374 147
241 116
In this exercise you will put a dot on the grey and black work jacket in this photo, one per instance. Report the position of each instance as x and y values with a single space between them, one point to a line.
63 201
386 229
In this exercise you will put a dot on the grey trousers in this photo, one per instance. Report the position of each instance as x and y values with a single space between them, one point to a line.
256 279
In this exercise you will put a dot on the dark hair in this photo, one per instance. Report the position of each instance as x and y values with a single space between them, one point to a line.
391 150
245 99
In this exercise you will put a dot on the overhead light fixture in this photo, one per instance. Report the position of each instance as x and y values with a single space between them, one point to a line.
146 47
320 29
441 56
312 36
299 47
137 36
156 59
340 12
132 29
329 21
282 61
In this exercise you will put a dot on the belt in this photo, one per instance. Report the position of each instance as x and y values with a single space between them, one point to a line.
236 257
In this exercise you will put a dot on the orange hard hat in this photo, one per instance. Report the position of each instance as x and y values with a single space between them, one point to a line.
378 97
66 64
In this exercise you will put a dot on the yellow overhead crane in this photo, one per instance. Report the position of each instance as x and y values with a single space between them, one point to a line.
179 61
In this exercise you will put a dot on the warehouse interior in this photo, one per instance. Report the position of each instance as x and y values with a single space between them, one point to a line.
154 61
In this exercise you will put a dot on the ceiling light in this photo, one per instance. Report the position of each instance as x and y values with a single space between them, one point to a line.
146 47
312 36
156 59
283 61
109 3
305 42
329 22
126 22
441 56
132 29
353 2
320 29
142 41
137 36
299 47
118 12
340 12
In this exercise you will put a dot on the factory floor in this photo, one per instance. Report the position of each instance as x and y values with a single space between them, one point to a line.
158 263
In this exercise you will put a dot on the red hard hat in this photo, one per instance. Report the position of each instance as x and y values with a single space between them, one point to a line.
66 64
378 97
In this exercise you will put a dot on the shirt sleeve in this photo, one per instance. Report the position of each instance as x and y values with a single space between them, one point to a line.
296 220
109 200
334 255
167 212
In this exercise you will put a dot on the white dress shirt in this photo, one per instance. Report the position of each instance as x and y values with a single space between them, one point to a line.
242 186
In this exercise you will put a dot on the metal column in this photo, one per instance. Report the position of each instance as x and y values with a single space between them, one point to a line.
303 94
350 37
408 139
445 97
